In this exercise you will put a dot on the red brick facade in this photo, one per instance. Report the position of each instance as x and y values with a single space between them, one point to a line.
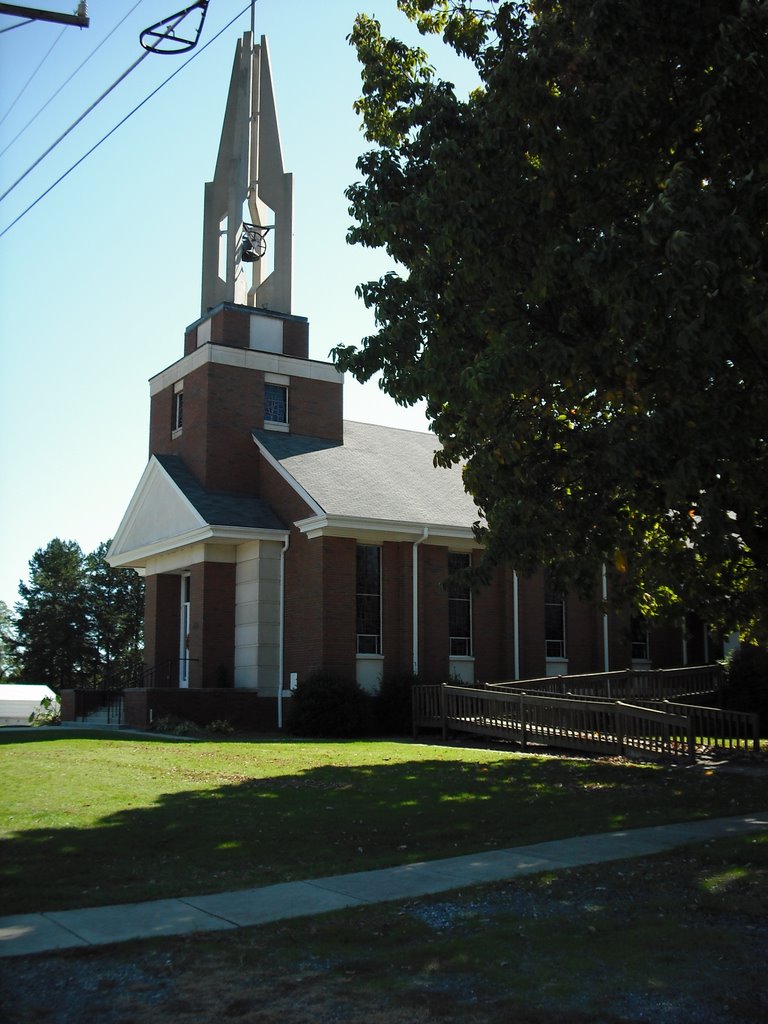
222 405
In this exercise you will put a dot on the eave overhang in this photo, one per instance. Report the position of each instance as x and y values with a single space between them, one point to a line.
223 535
378 530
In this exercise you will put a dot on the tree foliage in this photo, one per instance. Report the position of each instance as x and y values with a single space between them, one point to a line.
6 643
582 283
77 620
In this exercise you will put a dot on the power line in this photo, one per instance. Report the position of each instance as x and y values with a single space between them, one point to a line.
24 87
17 25
66 82
126 118
74 124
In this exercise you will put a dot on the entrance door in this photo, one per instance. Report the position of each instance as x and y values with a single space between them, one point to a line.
184 638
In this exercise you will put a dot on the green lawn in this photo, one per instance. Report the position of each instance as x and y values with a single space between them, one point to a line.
88 821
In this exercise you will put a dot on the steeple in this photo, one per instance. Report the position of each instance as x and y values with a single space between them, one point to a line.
249 204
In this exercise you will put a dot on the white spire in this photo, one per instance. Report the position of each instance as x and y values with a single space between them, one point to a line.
250 185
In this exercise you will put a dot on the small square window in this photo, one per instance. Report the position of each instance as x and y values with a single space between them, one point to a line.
275 403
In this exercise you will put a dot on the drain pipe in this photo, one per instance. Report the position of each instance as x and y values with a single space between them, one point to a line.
281 652
416 599
606 658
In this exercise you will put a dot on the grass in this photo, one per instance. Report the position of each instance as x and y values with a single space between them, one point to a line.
680 936
89 821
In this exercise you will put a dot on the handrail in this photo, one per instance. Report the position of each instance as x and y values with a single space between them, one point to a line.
651 683
584 723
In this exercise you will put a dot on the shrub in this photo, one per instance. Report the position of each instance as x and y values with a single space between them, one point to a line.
221 725
746 681
392 704
49 712
327 705
173 726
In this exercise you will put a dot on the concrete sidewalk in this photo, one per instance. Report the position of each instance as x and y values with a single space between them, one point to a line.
63 929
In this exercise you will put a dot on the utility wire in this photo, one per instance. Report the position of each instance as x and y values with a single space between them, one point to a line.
24 87
17 25
66 82
74 124
122 122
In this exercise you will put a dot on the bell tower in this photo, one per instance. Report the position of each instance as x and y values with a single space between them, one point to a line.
248 212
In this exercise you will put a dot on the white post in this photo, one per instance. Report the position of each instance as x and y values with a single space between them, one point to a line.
281 636
516 621
606 649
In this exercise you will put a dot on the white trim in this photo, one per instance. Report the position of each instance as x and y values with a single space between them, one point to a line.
385 529
556 666
289 479
606 645
281 639
516 621
217 534
152 470
277 378
246 358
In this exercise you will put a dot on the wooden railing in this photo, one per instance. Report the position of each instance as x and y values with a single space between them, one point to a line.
653 684
718 728
658 729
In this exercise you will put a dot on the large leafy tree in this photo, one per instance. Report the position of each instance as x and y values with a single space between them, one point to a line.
78 621
581 290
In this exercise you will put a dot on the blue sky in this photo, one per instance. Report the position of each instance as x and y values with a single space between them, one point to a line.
100 279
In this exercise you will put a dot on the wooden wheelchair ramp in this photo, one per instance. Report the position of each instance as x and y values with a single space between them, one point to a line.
585 723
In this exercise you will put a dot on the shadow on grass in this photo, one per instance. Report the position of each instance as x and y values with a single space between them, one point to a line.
44 734
204 820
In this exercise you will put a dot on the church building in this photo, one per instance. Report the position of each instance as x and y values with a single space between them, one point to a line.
277 539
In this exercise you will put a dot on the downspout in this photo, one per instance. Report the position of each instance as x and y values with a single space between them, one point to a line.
516 621
606 655
415 596
281 652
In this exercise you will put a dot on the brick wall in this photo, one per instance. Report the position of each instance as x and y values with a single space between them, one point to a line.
162 619
212 624
339 604
584 635
531 617
222 405
494 628
231 325
666 646
397 608
244 709
433 613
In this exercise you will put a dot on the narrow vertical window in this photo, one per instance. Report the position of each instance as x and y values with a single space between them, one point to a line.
275 403
368 599
640 646
459 607
554 621
178 406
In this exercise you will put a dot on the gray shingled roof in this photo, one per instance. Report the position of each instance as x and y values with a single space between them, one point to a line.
377 473
216 507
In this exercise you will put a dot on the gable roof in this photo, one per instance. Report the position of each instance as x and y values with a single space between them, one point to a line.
218 508
378 473
170 509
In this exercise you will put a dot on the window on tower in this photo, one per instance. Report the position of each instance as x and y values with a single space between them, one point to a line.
275 403
177 420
